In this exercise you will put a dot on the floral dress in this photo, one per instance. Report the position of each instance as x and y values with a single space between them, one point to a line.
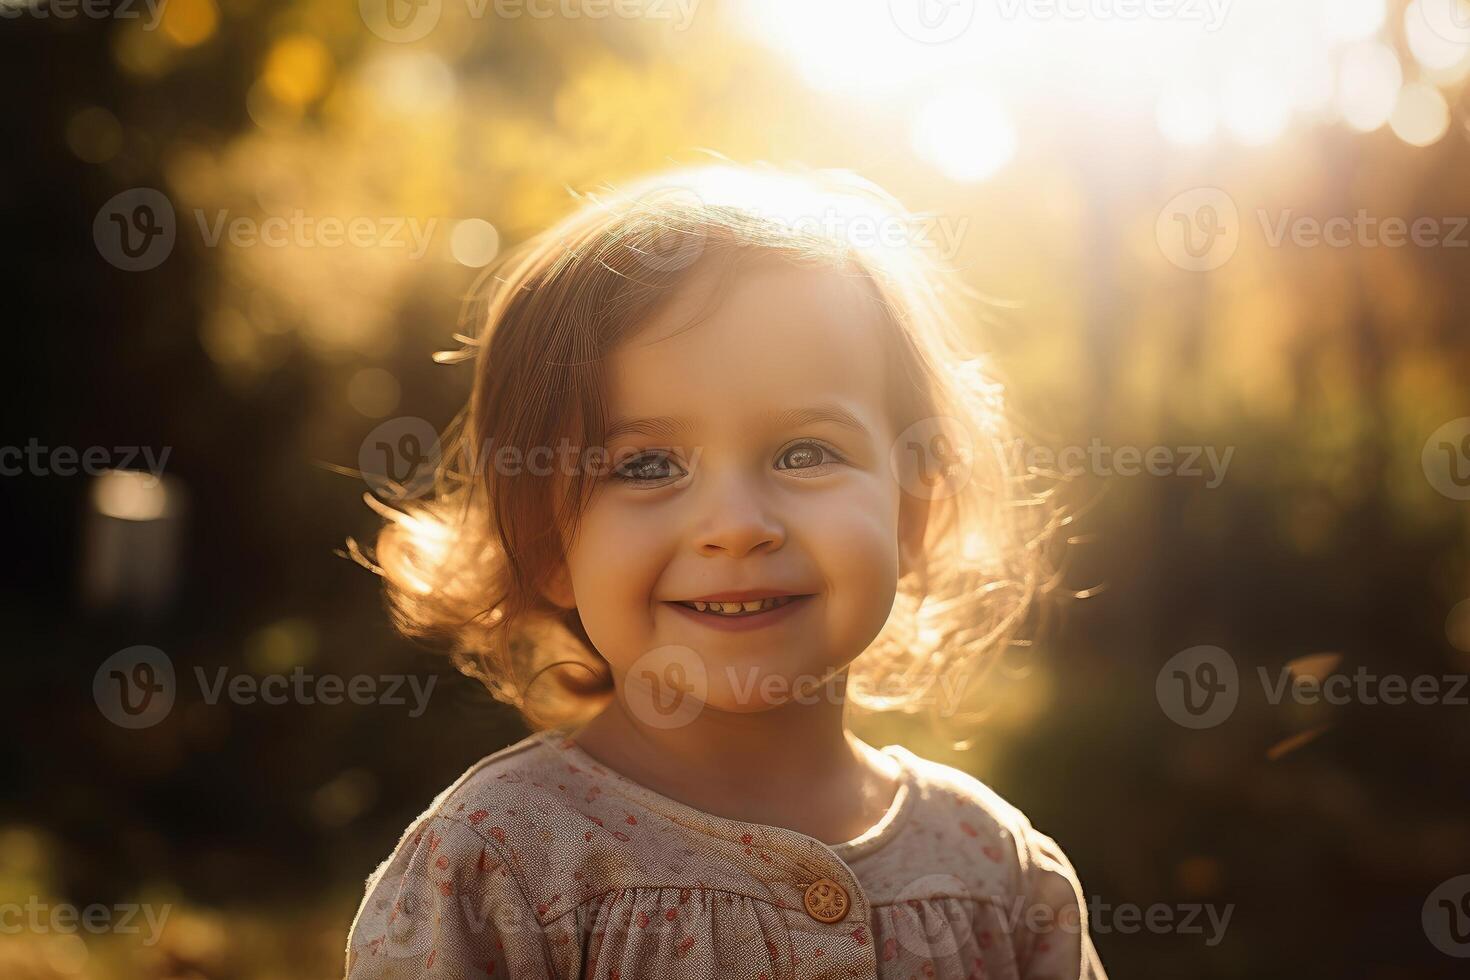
541 862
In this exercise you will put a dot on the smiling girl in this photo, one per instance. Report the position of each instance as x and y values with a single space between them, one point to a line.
791 489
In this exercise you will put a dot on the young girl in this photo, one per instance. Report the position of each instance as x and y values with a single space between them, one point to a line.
725 467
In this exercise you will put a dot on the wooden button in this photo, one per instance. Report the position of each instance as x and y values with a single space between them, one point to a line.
826 900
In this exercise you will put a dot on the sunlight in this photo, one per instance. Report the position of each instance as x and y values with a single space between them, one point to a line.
1247 69
969 152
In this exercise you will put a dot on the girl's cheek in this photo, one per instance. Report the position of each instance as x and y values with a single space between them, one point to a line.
638 538
619 530
620 553
853 544
859 528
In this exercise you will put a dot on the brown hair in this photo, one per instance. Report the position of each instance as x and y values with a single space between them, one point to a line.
465 564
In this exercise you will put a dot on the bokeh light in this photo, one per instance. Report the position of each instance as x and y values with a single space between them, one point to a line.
474 242
374 392
1255 109
94 134
1421 115
130 495
1368 85
188 23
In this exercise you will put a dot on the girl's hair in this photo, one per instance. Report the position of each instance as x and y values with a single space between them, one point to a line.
464 564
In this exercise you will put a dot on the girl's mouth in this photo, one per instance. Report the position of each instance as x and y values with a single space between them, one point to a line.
751 614
739 608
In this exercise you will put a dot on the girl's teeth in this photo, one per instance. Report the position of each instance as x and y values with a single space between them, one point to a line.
734 608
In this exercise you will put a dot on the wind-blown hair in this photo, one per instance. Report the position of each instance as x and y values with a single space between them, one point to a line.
464 564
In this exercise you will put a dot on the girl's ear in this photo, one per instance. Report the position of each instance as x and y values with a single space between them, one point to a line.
913 521
558 587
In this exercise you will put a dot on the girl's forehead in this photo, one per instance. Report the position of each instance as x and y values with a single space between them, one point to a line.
769 338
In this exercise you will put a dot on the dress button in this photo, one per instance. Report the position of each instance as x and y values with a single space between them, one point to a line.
826 900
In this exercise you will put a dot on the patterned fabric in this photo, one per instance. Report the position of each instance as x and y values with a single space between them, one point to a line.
540 862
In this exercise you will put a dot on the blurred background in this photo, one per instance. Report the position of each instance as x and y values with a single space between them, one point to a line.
238 230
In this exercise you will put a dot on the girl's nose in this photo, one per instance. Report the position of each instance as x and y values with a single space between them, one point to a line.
737 523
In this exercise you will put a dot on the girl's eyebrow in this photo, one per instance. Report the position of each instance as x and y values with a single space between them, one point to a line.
814 414
665 426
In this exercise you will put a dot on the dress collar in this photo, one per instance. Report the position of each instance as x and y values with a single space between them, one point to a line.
756 839
888 825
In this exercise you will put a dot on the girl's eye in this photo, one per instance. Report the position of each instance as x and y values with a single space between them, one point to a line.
650 467
807 455
659 467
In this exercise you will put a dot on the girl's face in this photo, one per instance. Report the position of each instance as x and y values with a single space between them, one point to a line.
753 458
